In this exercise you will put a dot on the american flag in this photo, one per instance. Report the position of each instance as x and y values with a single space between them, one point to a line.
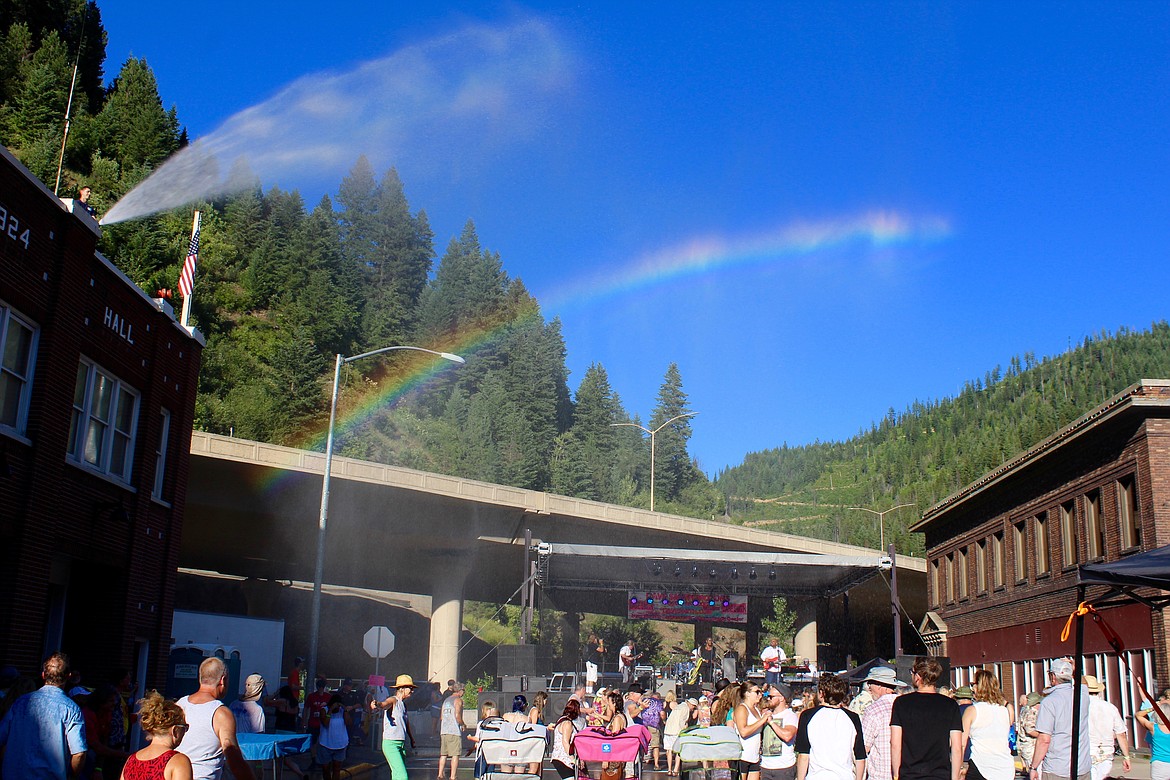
187 277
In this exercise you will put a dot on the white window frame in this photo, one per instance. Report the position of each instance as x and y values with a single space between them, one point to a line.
160 455
7 316
81 445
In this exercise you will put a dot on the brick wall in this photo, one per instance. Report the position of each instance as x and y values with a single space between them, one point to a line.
104 551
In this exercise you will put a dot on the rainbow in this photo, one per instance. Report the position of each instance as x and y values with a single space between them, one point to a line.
420 369
702 255
691 258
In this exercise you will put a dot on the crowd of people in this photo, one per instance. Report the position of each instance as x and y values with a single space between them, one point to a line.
888 731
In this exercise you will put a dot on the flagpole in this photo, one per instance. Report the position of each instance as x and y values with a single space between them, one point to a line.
186 316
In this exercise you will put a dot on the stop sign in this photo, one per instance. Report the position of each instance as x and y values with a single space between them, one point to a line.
378 642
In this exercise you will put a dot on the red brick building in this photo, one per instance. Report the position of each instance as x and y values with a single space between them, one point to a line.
1003 552
97 394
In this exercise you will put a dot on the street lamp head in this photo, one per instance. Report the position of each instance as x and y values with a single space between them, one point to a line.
452 357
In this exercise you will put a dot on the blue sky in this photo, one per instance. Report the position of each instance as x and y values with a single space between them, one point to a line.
818 210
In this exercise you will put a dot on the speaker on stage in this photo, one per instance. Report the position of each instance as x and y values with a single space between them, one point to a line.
516 660
667 685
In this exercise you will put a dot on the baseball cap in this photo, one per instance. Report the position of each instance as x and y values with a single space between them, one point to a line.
1062 667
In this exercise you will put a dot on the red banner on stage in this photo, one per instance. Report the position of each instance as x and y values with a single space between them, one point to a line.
687 607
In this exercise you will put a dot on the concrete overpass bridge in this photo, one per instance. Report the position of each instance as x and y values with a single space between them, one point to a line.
252 511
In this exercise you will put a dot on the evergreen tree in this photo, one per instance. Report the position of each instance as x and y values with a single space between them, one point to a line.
673 466
37 108
133 125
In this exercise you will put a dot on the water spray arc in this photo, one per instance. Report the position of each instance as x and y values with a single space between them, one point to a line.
432 101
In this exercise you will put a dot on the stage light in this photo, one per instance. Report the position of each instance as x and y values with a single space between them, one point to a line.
752 573
695 572
695 603
680 602
649 601
677 570
712 573
657 569
711 603
771 574
727 603
734 573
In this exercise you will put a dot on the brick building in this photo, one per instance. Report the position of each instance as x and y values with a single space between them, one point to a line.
1003 552
97 394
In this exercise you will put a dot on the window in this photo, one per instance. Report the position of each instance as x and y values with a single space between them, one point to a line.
1020 548
1041 533
1127 513
997 561
1094 532
102 428
160 454
937 580
18 339
964 563
981 567
951 577
1068 534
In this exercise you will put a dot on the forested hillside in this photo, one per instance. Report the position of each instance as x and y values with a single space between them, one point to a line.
284 286
932 449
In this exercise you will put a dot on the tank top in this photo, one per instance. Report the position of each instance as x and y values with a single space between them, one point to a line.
751 745
200 744
560 750
989 742
447 722
151 769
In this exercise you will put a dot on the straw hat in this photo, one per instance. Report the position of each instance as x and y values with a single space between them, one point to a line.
1093 684
404 681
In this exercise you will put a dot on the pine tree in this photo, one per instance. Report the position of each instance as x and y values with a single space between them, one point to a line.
133 124
673 466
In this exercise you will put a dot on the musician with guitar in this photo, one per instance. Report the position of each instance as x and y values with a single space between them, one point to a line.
704 658
773 656
626 659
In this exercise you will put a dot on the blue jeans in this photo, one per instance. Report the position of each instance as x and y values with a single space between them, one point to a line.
772 678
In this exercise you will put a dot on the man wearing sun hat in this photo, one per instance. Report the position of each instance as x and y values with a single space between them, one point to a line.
882 684
1105 726
395 729
1054 721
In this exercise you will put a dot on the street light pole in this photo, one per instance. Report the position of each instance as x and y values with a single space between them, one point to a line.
895 607
319 572
653 433
881 519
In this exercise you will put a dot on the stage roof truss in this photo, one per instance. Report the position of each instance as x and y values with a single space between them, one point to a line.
608 568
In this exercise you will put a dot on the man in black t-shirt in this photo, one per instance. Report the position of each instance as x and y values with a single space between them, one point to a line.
925 729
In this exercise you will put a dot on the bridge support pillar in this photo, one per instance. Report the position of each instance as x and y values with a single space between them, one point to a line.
805 643
446 628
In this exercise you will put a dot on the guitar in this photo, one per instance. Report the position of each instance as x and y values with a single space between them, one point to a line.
627 664
698 670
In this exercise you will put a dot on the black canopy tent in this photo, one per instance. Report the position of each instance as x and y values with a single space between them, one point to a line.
1150 569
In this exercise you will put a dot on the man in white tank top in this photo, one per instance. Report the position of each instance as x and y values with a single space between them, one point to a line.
211 727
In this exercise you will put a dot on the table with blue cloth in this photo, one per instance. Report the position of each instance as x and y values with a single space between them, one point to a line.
273 747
